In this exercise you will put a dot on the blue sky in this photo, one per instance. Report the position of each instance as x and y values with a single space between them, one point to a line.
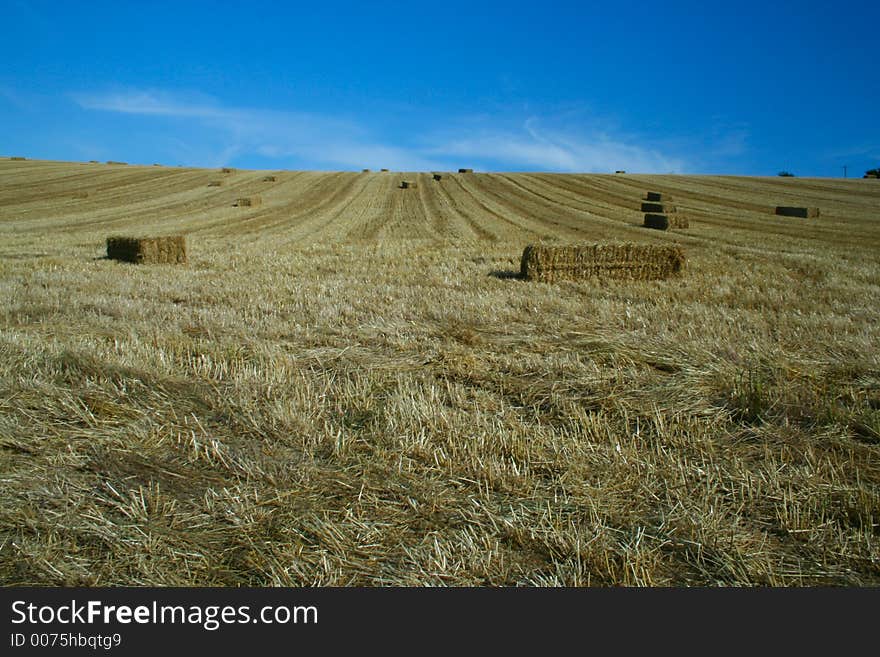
686 87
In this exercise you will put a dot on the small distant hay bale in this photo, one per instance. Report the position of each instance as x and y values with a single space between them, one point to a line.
148 250
227 170
408 184
383 169
620 171
269 179
657 221
550 263
465 170
115 162
248 202
791 211
438 176
655 197
18 158
215 183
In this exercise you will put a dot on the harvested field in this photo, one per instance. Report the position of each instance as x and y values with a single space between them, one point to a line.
148 250
353 385
642 262
805 213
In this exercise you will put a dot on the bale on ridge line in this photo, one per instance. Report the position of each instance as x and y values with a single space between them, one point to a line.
465 170
148 250
549 263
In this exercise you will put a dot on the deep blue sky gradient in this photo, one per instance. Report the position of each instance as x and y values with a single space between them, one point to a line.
689 87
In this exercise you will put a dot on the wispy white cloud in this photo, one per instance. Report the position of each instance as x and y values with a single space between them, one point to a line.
532 143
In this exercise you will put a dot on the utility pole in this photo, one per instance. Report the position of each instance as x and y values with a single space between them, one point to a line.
844 171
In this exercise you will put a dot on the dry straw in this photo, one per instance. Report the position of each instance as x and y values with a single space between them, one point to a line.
408 184
148 250
790 211
550 263
248 202
215 183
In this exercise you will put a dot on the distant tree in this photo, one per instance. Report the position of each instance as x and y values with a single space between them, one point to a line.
873 173
785 174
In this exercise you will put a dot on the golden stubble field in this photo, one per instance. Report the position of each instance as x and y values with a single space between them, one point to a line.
347 385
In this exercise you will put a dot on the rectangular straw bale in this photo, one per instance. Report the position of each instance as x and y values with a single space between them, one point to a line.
621 171
438 176
148 250
408 184
657 221
790 211
249 202
227 170
465 170
655 197
550 263
215 183
653 207
18 158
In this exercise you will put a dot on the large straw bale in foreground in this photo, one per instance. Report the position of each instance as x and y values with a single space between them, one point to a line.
550 263
148 250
